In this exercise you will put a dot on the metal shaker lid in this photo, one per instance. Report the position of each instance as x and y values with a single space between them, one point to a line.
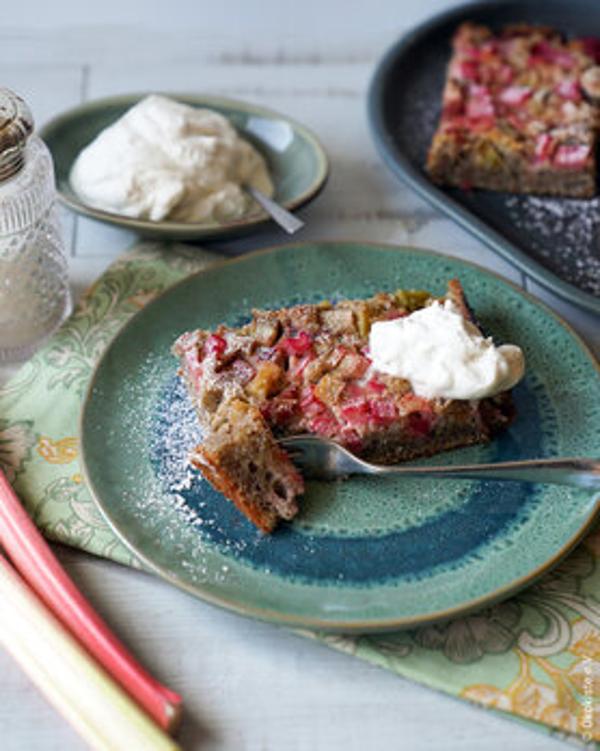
16 124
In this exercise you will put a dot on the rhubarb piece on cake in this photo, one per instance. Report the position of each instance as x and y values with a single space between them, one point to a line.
307 369
519 113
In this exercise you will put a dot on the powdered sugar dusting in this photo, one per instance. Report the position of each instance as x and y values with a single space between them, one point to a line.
167 501
174 432
180 433
565 233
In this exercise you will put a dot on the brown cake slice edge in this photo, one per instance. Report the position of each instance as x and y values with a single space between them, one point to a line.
241 459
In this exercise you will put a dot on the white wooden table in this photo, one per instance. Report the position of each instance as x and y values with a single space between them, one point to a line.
248 685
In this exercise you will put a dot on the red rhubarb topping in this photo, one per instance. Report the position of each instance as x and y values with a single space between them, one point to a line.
296 345
384 412
514 96
480 103
591 47
310 404
354 393
468 70
374 385
356 417
545 52
324 424
569 89
351 440
215 345
544 147
420 423
571 156
505 74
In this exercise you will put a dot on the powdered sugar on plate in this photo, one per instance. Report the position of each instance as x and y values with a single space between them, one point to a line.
173 432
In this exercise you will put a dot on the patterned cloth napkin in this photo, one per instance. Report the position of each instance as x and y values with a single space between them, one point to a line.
535 657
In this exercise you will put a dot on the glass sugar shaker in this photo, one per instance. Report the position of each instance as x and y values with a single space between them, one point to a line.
34 287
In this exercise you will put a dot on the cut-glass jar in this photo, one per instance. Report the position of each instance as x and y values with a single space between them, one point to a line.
34 285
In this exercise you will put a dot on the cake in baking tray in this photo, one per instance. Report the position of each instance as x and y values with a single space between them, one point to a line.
519 113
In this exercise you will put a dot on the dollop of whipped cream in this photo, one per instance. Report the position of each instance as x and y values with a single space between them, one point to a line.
167 160
444 355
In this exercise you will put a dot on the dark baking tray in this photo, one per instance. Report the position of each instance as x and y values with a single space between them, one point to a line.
554 240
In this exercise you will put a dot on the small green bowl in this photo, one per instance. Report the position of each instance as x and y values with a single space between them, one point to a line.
297 162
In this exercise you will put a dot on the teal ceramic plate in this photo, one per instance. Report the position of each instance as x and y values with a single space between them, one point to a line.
296 160
364 554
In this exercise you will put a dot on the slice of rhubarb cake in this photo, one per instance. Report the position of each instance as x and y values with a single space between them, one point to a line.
333 370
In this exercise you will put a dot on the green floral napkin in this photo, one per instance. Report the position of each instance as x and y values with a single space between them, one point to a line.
535 657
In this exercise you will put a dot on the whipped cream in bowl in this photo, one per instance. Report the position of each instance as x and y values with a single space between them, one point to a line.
443 355
164 159
184 163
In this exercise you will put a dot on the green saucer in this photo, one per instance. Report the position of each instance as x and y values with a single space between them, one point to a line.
297 162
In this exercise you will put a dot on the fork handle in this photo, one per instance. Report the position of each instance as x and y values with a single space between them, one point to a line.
584 473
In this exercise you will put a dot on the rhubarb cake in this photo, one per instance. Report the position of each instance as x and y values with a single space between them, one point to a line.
306 369
519 113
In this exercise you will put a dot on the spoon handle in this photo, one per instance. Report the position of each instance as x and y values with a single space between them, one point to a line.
284 218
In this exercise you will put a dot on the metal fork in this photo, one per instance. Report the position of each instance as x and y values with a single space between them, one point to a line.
321 458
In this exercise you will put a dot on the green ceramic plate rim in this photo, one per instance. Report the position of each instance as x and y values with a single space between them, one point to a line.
317 624
401 167
199 229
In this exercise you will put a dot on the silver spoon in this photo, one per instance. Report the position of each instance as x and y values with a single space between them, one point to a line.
321 458
284 218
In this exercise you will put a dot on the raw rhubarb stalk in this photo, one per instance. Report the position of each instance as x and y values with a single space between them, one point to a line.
96 706
33 558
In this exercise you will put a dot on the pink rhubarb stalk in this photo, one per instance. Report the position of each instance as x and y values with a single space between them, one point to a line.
33 558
